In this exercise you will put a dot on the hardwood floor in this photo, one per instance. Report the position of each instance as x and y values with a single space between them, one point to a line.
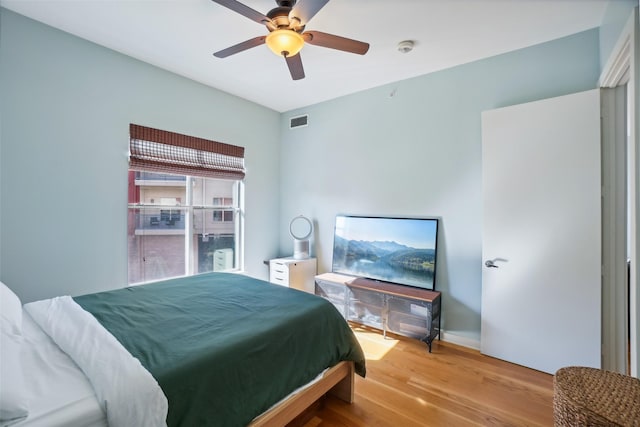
453 386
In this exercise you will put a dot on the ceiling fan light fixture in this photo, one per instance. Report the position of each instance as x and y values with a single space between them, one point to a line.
281 41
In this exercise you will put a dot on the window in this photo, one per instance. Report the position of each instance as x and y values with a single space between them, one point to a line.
221 201
226 214
177 222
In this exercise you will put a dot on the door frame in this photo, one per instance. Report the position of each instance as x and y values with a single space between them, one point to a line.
622 68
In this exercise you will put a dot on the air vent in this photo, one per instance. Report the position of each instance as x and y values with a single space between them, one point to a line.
299 121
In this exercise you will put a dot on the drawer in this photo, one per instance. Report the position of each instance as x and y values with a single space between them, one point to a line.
279 269
331 290
367 297
279 273
409 325
278 264
371 315
279 279
411 306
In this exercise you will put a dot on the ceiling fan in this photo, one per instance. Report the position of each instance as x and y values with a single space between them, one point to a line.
286 36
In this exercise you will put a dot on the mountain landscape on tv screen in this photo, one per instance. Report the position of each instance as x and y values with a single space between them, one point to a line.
384 260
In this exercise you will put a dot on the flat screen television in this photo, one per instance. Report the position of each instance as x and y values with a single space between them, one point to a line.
396 250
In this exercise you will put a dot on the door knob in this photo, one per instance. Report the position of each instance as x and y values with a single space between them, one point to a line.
490 263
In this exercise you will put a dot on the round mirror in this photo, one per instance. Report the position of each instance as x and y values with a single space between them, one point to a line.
300 228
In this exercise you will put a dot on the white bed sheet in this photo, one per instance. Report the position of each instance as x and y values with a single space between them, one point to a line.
125 390
59 392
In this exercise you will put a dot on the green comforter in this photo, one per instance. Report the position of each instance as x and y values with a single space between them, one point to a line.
225 347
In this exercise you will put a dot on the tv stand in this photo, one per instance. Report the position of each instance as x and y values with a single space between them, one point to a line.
403 310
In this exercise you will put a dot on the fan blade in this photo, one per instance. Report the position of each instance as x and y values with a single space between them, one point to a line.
304 10
243 10
295 66
256 41
335 42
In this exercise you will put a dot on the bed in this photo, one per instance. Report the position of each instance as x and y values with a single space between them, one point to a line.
215 349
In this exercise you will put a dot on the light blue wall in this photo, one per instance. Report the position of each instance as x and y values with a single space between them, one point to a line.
413 148
615 17
66 107
408 148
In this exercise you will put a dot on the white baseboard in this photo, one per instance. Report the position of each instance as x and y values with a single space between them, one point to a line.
460 340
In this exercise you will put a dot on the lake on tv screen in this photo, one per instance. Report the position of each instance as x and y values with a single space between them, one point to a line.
387 261
382 271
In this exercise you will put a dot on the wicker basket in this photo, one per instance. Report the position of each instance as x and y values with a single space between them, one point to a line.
593 397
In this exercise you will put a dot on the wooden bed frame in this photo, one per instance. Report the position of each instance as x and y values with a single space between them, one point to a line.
338 380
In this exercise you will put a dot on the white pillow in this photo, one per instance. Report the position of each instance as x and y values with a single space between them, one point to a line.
13 397
10 311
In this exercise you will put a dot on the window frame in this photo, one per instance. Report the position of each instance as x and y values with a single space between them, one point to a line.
190 209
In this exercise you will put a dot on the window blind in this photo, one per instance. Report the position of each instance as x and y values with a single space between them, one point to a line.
159 150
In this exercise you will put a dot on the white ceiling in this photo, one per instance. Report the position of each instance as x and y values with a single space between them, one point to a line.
181 36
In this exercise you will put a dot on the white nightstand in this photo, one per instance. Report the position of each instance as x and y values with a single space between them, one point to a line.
294 273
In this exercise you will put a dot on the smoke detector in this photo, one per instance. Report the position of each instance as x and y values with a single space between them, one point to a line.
405 46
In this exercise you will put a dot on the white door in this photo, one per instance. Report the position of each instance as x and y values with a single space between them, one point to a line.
542 233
